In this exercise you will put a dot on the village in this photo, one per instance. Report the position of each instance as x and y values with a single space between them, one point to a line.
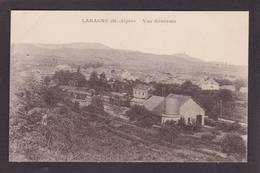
125 91
150 112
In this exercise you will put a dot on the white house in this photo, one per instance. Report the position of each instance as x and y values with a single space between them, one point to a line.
209 84
173 107
141 92
228 87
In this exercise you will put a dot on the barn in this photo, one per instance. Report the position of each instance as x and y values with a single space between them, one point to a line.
173 107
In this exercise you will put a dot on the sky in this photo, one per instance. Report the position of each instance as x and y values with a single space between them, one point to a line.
210 36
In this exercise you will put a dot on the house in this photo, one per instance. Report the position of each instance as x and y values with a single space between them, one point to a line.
173 107
243 90
208 84
141 92
228 87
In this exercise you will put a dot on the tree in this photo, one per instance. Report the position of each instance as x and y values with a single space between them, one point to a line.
93 79
103 79
79 79
233 143
238 83
225 95
188 87
63 77
144 117
96 104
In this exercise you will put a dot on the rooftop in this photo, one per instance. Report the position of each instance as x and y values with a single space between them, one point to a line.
142 87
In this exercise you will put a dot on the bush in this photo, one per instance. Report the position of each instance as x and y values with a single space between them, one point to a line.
210 122
233 143
215 132
232 127
195 127
169 131
208 136
144 117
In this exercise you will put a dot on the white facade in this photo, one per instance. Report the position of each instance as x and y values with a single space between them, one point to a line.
190 111
228 87
140 93
209 84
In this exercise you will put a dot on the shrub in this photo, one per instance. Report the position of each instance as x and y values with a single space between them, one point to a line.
231 127
233 143
210 122
215 132
169 131
144 117
208 136
188 127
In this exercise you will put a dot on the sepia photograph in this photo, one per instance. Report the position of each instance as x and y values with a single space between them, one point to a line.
128 86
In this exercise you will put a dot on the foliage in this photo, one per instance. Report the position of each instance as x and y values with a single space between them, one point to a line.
93 64
215 132
208 136
188 88
96 106
232 127
143 117
93 79
225 95
183 126
67 77
169 131
76 107
28 136
233 143
238 83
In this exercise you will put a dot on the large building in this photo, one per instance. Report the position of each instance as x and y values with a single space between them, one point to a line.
173 107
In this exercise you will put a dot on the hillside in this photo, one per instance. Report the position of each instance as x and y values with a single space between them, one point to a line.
79 53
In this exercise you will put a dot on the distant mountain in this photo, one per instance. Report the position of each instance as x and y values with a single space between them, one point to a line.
81 53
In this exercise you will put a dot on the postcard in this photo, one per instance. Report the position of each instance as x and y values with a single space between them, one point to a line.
128 86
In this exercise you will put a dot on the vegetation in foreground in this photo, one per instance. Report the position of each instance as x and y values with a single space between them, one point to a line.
46 126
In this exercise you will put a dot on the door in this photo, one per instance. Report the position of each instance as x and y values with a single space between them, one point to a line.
199 119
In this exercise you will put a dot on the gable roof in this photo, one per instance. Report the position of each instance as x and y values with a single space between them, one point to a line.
155 104
181 99
174 102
